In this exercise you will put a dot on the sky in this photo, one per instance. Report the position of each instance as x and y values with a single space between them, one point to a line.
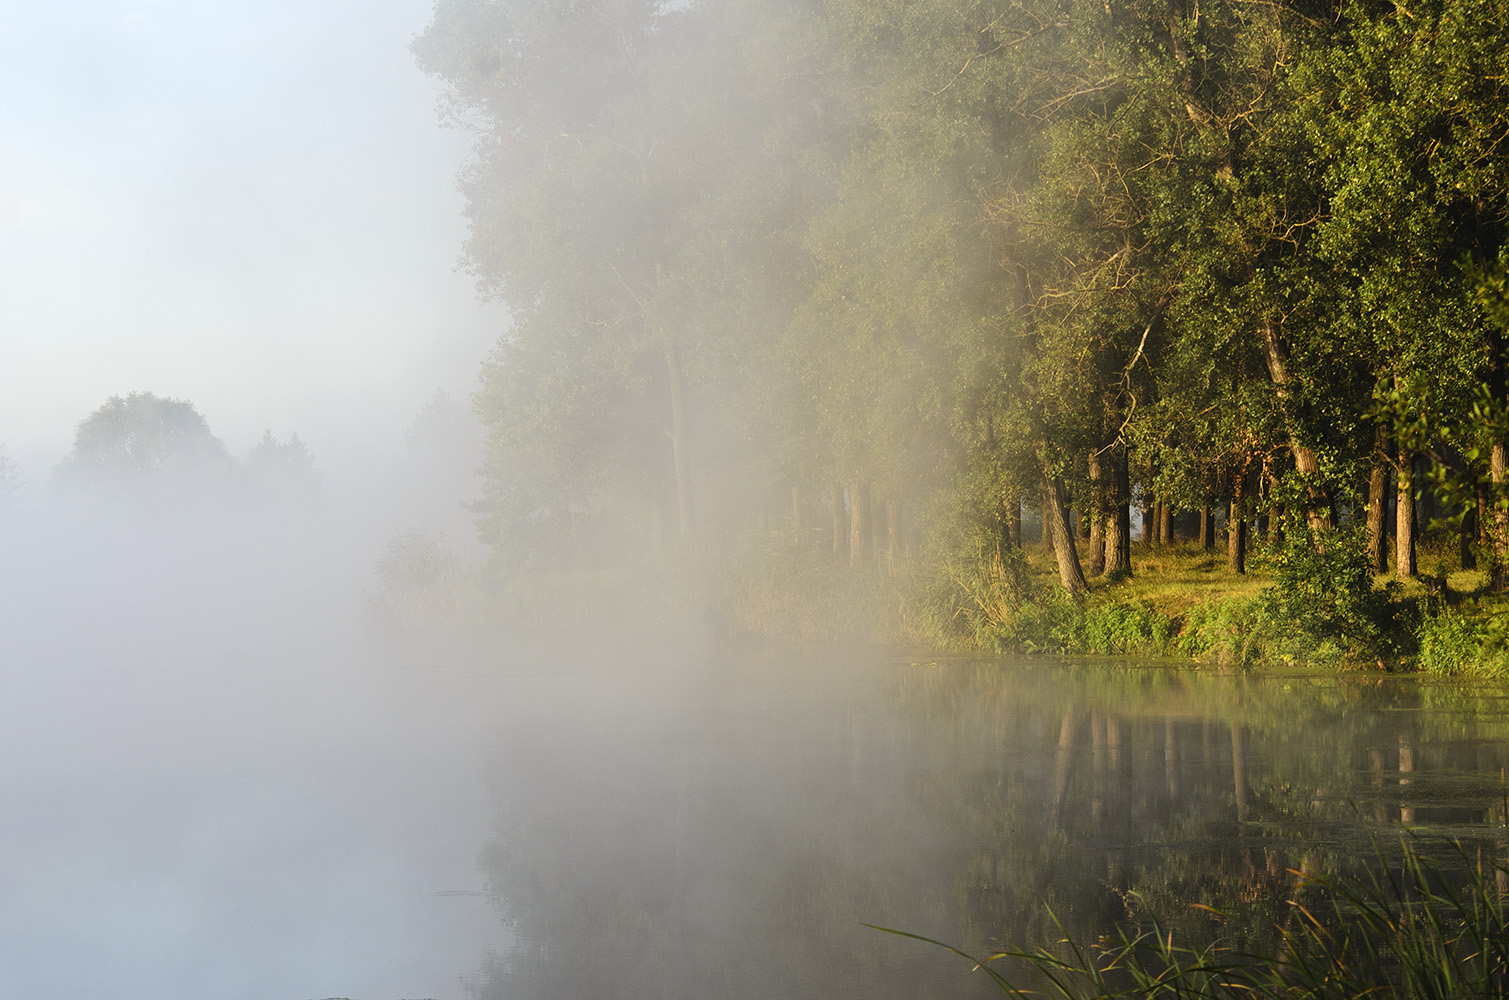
250 206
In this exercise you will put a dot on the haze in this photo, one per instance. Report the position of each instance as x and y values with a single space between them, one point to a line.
250 207
362 640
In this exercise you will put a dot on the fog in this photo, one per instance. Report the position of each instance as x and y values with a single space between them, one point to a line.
210 788
215 784
252 208
361 640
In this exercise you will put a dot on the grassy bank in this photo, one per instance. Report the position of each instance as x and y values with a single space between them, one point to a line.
1295 604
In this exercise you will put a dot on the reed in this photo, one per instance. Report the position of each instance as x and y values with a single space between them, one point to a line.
1426 924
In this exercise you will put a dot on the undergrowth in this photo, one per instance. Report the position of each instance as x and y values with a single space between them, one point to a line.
1303 601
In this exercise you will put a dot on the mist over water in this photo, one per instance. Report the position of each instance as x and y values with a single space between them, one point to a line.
212 786
224 778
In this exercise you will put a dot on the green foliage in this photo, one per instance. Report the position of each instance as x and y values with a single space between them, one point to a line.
1229 631
1114 628
1323 605
988 601
946 251
1457 642
995 601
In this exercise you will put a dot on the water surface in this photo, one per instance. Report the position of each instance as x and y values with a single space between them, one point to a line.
222 785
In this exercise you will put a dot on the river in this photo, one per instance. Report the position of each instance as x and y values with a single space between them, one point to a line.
232 802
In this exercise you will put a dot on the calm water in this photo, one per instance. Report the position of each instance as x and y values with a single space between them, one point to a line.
229 801
728 831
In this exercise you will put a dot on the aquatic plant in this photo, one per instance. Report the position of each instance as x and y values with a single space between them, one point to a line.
1415 926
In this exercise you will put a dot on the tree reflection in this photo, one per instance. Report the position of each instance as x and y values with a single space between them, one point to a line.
734 848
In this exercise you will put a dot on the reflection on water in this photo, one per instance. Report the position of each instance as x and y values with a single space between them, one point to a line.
727 831
241 799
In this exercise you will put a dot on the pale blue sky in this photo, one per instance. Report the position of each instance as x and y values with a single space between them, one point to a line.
247 205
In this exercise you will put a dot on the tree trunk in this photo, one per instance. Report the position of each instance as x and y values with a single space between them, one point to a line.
1056 526
1236 529
1377 498
679 442
1014 524
1498 473
1207 528
1048 503
1119 518
1318 514
1098 515
859 523
1466 537
1165 523
840 532
893 530
1404 517
1276 511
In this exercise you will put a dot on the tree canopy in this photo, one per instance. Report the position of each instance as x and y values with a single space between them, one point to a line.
142 441
928 264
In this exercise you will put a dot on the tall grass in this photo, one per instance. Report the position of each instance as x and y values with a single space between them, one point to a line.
1407 927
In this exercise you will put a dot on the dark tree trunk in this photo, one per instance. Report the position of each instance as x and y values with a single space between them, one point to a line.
1119 519
1377 498
1236 529
1498 473
1466 538
1165 523
1207 528
1404 516
1056 526
1098 514
1483 518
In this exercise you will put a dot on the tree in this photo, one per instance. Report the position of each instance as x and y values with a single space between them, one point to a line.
143 443
636 162
281 470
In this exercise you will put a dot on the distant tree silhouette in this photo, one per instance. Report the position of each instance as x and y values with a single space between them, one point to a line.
281 469
145 442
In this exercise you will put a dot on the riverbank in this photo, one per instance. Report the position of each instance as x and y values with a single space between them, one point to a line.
1293 605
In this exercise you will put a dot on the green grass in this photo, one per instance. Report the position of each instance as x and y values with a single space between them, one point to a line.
1431 923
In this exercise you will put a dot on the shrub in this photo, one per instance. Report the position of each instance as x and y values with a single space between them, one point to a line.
1323 605
1456 642
1229 631
1119 629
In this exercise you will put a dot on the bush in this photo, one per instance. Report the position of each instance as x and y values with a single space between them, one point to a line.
989 601
1119 629
1323 605
1229 631
1456 643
